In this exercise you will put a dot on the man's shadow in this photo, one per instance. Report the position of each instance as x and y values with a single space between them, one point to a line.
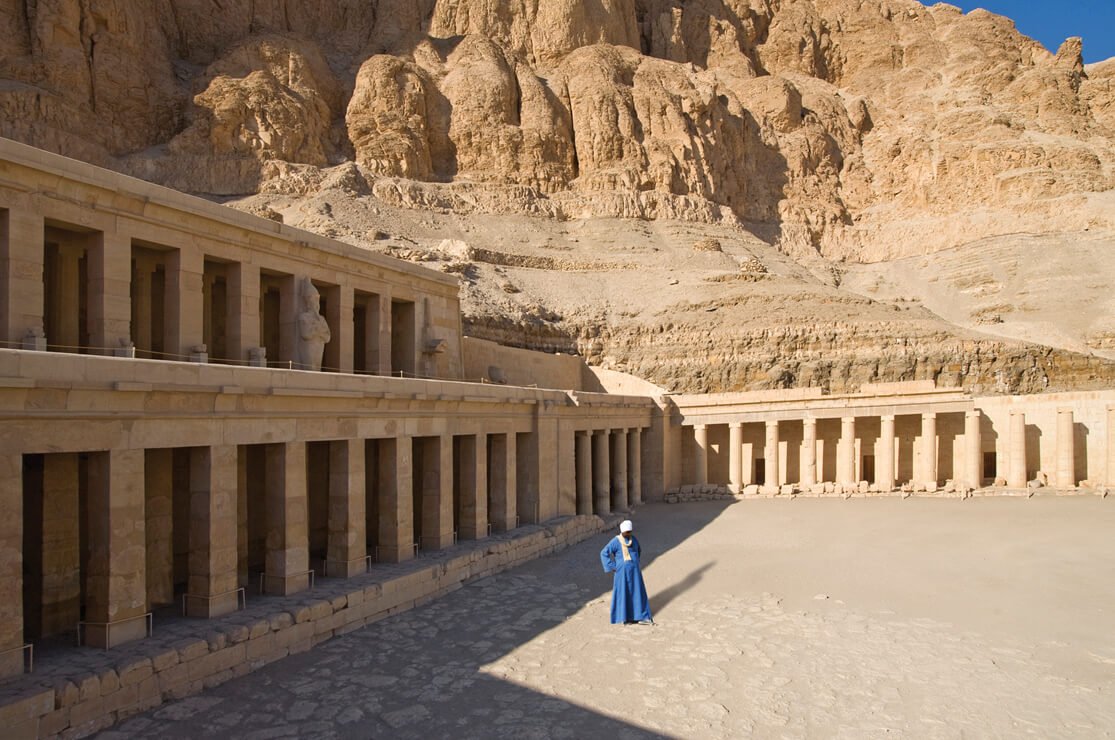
662 598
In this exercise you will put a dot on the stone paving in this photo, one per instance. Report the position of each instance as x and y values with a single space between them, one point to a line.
529 654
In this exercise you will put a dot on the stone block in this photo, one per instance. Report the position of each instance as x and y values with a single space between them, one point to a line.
237 633
66 694
828 487
320 610
259 628
260 648
191 649
172 677
89 687
29 705
135 671
750 490
281 621
787 490
54 723
110 682
165 659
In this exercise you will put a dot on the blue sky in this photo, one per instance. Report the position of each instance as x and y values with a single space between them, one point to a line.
1051 22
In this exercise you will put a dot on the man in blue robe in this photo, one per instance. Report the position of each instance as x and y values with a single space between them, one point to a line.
629 593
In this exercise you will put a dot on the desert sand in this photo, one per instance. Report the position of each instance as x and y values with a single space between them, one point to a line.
775 618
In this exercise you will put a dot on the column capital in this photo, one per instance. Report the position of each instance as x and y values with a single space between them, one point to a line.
601 432
929 414
700 427
887 417
735 425
1064 410
809 420
973 412
771 422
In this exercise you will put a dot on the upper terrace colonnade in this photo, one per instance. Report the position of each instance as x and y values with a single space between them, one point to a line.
161 441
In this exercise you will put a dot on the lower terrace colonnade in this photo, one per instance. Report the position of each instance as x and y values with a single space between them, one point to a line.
96 539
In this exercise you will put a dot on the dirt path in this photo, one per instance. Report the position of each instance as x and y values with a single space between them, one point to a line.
810 618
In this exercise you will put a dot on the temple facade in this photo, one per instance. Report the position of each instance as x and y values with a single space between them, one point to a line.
199 408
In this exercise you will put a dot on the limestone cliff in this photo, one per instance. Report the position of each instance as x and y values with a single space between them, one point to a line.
834 131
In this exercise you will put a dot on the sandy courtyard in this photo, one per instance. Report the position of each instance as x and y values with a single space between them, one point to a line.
991 617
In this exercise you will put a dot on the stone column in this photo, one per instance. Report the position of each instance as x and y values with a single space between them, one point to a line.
846 452
11 564
584 472
473 486
437 493
635 466
211 591
770 452
61 551
185 270
1066 449
346 325
973 449
21 276
884 469
347 544
115 587
1016 463
809 452
619 470
158 476
396 501
735 457
700 454
243 308
288 543
601 473
384 334
110 302
1111 445
502 482
929 450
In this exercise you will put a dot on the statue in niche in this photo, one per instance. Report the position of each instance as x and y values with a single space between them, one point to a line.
313 329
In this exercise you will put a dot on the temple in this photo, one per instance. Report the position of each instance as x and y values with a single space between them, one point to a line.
200 408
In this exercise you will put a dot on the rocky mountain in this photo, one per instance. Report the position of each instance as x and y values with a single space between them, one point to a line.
584 156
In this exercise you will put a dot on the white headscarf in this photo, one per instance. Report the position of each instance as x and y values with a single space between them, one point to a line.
626 526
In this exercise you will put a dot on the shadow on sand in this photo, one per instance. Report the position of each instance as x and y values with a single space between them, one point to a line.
423 673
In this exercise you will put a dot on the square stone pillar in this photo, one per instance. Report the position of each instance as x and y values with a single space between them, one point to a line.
115 597
1016 460
21 275
11 564
347 541
346 327
619 470
700 454
1066 450
1111 445
544 451
243 310
109 268
472 486
396 501
601 473
565 467
158 476
584 472
973 449
61 547
288 545
846 452
211 589
383 338
884 469
809 452
635 466
770 452
437 492
185 302
929 450
502 482
735 457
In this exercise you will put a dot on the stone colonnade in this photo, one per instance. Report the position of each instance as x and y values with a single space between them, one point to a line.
854 451
190 502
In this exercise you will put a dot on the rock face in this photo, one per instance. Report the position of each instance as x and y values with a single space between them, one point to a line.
834 130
